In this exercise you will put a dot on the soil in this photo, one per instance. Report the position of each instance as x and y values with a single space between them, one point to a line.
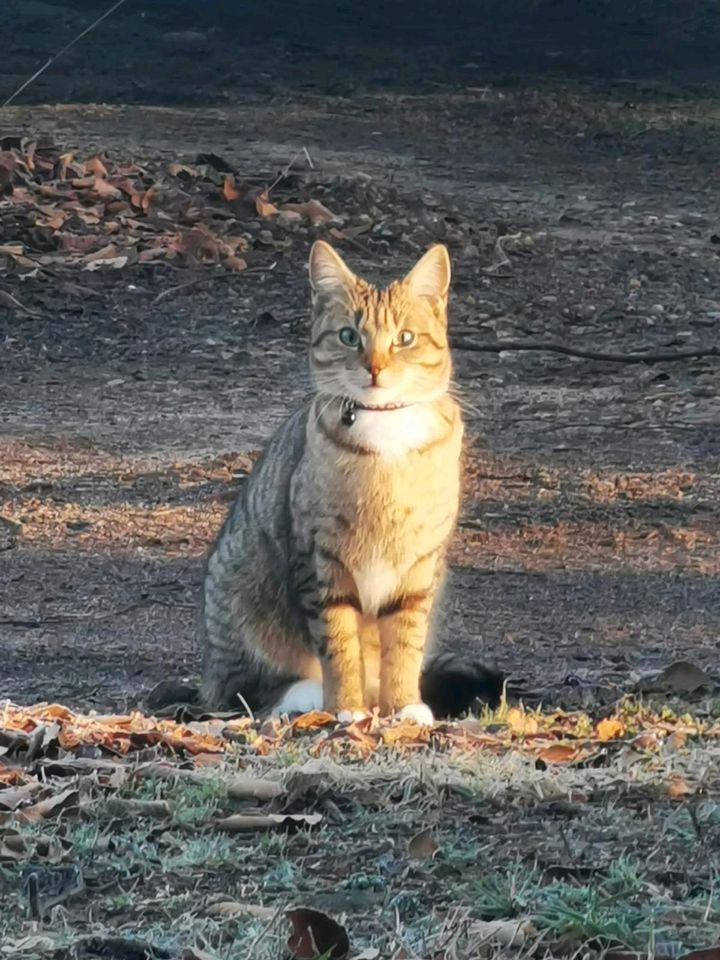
581 210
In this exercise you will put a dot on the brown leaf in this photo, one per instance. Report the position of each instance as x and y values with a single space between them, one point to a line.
130 809
520 722
710 953
405 731
195 953
95 166
230 190
235 263
242 823
315 211
683 677
264 207
609 729
677 788
233 908
558 753
507 933
423 845
316 935
254 788
105 189
313 720
13 797
50 807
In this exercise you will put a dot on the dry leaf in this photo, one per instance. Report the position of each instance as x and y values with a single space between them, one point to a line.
315 212
316 935
13 797
609 729
128 808
558 753
95 166
507 933
423 845
313 720
684 677
520 722
710 953
50 807
242 823
195 953
677 787
254 788
264 207
233 908
230 190
235 263
109 263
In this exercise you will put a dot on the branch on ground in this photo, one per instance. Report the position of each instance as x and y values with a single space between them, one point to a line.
658 356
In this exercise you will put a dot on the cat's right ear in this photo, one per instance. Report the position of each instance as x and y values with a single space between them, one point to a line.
328 272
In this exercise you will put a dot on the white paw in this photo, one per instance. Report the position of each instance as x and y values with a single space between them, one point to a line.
301 697
350 716
417 712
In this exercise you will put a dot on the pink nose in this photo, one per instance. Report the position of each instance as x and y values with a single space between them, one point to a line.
374 373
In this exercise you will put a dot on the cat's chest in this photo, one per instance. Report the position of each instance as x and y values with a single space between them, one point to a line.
391 434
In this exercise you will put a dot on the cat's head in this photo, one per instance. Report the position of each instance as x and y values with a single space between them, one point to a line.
380 347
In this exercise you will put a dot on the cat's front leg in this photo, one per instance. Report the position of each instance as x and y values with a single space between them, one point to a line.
403 638
341 658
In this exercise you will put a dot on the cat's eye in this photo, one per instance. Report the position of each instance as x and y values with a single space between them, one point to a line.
349 337
405 338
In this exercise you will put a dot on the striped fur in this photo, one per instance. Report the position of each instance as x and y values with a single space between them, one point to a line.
331 564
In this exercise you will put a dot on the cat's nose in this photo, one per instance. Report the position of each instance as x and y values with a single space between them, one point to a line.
374 373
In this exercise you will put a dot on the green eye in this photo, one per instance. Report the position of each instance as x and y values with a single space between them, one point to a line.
405 338
350 337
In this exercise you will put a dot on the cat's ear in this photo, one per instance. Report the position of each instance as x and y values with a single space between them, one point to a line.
328 271
430 277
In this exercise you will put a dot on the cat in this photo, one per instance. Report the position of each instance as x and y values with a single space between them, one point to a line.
323 588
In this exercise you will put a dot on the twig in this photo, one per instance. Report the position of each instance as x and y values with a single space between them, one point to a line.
190 283
35 622
12 303
50 60
225 275
658 356
288 167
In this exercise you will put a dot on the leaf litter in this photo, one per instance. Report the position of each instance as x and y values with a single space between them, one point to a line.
523 831
94 213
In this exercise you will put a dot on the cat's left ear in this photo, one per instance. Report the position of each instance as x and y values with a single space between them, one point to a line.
430 277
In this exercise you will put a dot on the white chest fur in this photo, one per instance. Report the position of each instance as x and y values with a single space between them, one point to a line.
376 582
393 433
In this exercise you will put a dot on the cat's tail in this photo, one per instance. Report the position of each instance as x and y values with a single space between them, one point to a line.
451 685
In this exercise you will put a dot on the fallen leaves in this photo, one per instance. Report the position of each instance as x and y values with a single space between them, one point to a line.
505 933
252 823
315 935
609 729
100 214
423 846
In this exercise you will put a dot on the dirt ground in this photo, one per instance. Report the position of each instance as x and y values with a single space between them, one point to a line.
570 163
588 546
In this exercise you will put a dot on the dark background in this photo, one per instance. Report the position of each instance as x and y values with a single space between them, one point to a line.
217 51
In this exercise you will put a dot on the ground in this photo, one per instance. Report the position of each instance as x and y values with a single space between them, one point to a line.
133 402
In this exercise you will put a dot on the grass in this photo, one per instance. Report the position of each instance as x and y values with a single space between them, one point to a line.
594 856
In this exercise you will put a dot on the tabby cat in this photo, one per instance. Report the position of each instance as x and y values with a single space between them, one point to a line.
325 581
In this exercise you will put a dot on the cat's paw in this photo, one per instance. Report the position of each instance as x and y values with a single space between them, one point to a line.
350 716
419 713
301 697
